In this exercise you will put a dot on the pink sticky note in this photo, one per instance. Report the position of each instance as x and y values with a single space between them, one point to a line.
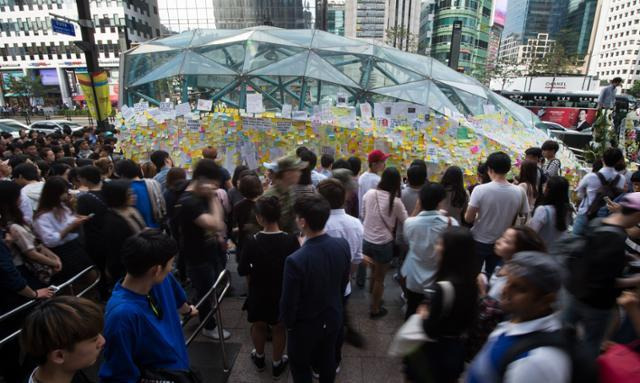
475 149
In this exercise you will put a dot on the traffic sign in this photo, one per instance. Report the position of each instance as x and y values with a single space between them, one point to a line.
63 27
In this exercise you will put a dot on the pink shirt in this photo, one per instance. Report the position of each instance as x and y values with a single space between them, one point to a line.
378 223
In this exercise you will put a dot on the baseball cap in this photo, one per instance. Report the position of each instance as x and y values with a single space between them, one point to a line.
631 201
284 164
377 156
538 268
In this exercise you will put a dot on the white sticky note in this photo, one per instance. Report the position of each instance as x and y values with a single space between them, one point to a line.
141 106
365 110
127 112
205 105
166 106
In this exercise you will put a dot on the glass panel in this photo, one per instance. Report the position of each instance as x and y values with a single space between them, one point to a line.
320 69
260 54
450 94
264 37
300 38
469 88
420 92
291 66
439 71
348 64
138 66
413 62
177 41
207 86
204 36
169 69
233 38
200 65
324 40
521 113
150 48
399 74
231 56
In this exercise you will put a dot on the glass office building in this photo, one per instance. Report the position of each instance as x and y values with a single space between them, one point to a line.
298 67
527 18
576 31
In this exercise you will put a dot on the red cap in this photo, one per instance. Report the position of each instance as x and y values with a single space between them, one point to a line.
377 156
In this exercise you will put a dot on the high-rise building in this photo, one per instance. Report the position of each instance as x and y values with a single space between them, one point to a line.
29 47
178 16
427 17
336 17
393 22
495 34
576 30
526 18
512 51
616 49
476 24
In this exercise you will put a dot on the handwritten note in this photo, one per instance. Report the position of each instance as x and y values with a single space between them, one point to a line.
205 105
254 103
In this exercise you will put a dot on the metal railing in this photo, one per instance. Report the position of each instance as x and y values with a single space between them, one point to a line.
32 302
223 283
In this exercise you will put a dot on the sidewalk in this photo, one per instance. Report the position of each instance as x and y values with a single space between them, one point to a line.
368 365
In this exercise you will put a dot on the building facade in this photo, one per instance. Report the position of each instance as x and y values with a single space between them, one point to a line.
425 35
336 17
476 25
526 18
28 46
576 31
514 52
616 50
184 15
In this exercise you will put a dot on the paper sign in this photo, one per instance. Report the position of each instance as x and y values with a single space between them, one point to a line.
286 110
300 115
182 109
127 112
342 99
432 154
205 105
193 125
141 106
254 103
365 110
166 106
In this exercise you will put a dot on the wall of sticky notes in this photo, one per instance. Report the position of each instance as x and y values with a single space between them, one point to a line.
252 139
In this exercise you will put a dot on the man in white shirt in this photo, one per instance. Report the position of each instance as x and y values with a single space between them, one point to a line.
588 187
533 281
26 175
607 98
493 208
367 181
342 225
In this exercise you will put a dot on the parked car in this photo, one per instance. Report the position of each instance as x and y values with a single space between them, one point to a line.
52 126
12 126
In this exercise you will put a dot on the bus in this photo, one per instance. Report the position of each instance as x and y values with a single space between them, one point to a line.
575 111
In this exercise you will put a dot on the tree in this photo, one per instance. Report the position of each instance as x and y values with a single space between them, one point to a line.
25 88
505 72
635 89
399 37
555 62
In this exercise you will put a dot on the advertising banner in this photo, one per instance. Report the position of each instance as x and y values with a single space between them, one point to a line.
101 85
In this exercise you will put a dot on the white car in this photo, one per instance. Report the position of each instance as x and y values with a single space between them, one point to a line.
53 126
12 126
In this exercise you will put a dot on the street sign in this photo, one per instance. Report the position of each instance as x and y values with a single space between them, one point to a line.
63 27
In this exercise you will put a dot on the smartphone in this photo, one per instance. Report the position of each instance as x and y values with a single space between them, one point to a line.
607 200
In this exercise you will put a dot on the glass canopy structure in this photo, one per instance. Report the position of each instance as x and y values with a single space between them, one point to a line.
302 68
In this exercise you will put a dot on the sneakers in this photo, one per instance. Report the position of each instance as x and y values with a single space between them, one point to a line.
213 334
278 371
257 361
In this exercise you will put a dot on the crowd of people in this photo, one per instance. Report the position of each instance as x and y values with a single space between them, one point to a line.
497 272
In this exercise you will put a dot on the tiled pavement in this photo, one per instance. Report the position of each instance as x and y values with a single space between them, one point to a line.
370 365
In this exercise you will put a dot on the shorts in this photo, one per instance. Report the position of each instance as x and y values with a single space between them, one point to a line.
379 253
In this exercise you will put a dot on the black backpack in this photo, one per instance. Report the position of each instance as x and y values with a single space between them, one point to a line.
584 368
608 188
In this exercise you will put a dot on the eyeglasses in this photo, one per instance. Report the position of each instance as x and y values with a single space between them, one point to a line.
155 308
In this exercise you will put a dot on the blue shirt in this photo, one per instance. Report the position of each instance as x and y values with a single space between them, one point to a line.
143 203
136 338
315 278
607 97
161 177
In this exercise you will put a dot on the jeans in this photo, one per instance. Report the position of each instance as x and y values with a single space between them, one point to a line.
580 224
202 278
486 256
594 322
313 343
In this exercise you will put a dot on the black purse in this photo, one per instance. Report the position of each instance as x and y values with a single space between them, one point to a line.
169 376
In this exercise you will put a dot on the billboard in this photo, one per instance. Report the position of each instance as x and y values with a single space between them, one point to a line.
570 118
499 12
49 77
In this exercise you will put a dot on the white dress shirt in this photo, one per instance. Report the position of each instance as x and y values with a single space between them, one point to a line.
48 227
342 225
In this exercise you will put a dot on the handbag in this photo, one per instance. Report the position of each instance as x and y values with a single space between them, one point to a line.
411 334
620 363
521 219
161 375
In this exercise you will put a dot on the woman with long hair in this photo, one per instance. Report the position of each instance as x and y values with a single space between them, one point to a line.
450 312
550 219
528 181
121 221
383 213
56 225
457 196
34 259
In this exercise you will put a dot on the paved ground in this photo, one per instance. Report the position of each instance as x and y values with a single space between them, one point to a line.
370 365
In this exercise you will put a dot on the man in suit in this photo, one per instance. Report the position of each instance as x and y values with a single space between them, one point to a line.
315 278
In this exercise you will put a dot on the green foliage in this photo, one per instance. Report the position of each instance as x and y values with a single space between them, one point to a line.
504 71
603 136
25 88
401 38
635 89
555 62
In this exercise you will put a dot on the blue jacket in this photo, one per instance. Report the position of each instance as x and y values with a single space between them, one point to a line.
136 338
315 277
11 281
